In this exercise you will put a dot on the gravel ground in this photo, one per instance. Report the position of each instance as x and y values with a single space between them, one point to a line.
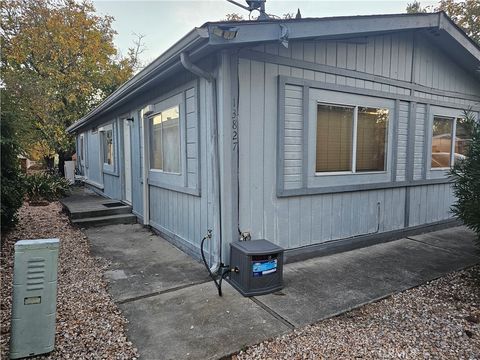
438 320
89 324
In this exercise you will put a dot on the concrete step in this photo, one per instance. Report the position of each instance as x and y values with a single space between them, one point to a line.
106 220
100 212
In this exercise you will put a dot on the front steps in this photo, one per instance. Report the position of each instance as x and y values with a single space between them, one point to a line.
87 209
105 220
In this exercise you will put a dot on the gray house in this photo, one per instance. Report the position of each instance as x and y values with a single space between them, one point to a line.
316 134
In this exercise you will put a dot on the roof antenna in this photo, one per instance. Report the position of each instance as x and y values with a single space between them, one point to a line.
254 5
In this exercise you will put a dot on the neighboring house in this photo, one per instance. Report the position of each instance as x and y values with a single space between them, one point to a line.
331 142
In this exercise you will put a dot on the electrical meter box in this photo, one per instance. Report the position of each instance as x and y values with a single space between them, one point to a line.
260 267
34 297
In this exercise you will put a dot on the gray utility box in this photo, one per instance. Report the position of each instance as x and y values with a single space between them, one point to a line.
34 297
260 267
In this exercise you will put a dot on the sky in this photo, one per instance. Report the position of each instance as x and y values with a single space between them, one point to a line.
164 22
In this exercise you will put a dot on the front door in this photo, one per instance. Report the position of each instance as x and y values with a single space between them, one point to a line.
128 161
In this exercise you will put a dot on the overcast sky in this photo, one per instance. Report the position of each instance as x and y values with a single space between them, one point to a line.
164 22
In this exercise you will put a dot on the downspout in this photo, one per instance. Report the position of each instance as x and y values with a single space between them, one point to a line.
215 155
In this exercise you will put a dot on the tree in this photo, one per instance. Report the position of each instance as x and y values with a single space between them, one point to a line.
466 176
415 8
466 14
58 62
12 187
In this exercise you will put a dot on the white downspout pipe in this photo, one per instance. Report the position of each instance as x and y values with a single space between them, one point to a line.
214 155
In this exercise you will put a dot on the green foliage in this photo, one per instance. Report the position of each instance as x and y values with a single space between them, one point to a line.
415 8
58 61
466 186
45 187
466 14
11 187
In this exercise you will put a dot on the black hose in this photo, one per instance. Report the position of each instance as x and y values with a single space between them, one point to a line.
222 277
218 285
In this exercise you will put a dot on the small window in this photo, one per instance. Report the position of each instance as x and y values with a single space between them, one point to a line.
81 155
108 146
351 139
450 139
165 140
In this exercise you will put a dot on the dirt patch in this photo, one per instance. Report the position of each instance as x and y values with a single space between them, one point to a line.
89 324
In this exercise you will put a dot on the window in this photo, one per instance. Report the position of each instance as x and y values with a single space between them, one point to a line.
165 140
108 146
444 150
351 139
81 155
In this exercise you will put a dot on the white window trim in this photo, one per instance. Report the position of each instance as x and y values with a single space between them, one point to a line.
323 179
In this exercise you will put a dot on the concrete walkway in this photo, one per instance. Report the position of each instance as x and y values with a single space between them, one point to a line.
175 312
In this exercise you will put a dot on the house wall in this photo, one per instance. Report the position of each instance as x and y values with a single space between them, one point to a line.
180 207
280 199
185 212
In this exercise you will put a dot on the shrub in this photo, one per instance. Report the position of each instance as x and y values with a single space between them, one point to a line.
45 187
466 176
12 187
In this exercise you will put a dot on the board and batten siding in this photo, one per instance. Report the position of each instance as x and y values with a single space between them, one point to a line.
182 216
296 221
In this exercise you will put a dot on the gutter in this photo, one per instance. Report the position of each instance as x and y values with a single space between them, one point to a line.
214 157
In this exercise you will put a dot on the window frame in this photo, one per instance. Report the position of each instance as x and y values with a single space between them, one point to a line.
449 113
110 169
82 152
316 180
353 163
158 177
452 145
149 119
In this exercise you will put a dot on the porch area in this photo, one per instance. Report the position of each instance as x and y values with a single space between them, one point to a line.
85 209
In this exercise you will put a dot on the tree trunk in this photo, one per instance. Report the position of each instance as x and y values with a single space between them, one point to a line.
49 162
62 157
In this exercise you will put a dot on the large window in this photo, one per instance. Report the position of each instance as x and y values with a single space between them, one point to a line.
107 138
165 140
351 139
450 139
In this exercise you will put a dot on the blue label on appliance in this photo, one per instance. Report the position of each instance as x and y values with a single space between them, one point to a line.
265 267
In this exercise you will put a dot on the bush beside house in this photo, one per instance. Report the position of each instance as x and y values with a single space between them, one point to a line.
12 190
466 186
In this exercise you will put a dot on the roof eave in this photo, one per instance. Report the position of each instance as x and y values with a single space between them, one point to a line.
171 56
267 31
